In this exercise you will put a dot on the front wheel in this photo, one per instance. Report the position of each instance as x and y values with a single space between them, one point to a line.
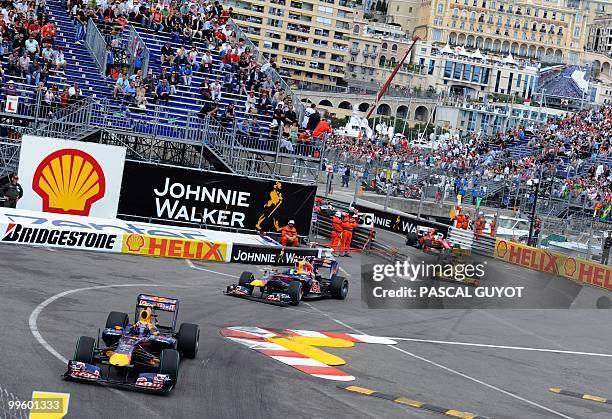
188 339
245 281
339 287
84 349
169 364
295 292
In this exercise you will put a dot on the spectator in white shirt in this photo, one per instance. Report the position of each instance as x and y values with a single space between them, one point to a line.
215 89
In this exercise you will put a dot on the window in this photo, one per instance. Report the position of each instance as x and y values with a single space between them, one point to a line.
394 48
448 69
384 46
440 8
458 71
323 21
476 74
467 72
356 29
576 32
325 9
455 12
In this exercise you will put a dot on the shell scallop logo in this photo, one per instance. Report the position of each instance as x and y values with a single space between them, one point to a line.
134 242
69 181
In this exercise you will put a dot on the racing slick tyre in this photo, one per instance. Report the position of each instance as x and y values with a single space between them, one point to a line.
116 318
245 281
169 364
295 292
188 339
412 239
339 287
84 350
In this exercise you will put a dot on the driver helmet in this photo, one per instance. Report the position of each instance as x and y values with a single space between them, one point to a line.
302 266
145 317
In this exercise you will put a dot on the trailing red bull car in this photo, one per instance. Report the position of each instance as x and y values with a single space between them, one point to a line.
304 281
144 355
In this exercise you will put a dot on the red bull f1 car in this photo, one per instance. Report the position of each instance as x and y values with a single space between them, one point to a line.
144 355
304 281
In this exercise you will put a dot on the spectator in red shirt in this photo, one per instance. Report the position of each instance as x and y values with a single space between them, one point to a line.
48 33
323 127
225 15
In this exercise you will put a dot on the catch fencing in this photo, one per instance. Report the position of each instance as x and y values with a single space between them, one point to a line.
96 44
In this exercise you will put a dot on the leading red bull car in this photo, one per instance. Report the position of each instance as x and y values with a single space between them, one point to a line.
144 355
306 280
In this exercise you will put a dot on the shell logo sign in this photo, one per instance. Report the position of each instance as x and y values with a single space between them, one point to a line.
70 177
134 243
69 181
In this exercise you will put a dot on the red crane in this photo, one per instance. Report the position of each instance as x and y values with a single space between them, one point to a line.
391 76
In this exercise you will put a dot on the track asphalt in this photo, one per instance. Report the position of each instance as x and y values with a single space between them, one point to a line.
227 380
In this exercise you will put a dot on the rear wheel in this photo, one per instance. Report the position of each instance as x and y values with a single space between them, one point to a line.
412 239
188 339
169 364
245 281
84 350
295 292
339 287
116 318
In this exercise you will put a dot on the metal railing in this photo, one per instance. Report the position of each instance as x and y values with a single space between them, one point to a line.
259 57
96 43
9 156
162 130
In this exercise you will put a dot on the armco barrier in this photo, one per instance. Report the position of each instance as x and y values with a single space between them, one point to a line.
390 221
360 238
482 245
543 260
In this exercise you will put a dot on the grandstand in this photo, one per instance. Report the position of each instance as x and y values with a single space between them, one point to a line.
171 132
564 86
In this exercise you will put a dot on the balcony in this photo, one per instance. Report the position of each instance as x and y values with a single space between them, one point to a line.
355 51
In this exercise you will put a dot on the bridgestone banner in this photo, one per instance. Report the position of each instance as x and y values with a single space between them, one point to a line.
399 223
57 237
275 256
192 197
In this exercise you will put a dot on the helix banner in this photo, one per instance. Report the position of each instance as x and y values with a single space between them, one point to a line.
576 269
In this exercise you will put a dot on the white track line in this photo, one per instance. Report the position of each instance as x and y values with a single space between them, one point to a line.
445 368
491 386
199 268
517 348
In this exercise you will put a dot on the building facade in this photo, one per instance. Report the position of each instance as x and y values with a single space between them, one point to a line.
491 119
308 38
600 35
375 49
551 31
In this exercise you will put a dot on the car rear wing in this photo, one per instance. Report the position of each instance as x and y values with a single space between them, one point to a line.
157 303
